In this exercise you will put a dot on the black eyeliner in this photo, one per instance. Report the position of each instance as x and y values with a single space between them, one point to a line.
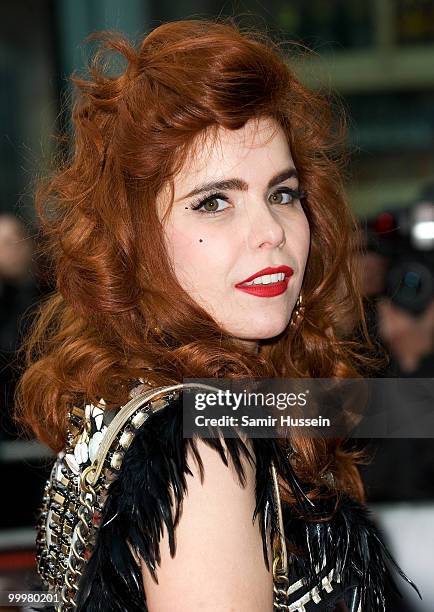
297 194
203 201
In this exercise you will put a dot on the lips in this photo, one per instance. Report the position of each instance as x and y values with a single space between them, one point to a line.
285 269
271 289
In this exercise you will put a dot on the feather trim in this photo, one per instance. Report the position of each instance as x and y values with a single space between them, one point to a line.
341 534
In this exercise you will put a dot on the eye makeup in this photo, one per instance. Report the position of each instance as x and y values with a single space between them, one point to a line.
296 194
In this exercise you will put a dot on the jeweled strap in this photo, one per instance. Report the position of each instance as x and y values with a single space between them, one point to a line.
280 555
123 417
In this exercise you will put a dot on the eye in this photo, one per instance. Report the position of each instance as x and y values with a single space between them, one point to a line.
210 204
291 195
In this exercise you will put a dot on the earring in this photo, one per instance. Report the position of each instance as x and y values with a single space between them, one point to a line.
297 313
157 331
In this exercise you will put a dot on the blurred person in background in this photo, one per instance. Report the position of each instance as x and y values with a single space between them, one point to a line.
408 335
397 275
17 287
21 287
396 271
405 310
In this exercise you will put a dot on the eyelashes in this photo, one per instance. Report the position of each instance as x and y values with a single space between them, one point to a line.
199 204
295 194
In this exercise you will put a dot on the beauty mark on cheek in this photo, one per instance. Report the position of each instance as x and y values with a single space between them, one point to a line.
200 239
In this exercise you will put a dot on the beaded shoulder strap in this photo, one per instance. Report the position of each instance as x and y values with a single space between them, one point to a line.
76 490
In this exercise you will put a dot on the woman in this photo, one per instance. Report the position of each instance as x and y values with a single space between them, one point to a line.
201 164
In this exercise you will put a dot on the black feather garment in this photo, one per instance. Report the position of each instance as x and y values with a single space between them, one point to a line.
336 564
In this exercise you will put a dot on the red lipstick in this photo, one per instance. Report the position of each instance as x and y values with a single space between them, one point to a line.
270 289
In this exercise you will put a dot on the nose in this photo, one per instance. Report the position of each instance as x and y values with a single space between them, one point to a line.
264 230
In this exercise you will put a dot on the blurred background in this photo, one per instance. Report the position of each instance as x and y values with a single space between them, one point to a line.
378 55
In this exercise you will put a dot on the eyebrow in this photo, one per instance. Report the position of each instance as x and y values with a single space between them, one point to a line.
239 184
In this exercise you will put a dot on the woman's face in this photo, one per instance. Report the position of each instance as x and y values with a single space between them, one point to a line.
219 236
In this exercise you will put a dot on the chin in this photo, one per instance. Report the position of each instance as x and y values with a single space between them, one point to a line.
264 333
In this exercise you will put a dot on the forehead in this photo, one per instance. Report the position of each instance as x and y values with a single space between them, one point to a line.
218 151
253 153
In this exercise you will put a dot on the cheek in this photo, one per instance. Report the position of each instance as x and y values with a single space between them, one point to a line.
306 237
195 257
301 240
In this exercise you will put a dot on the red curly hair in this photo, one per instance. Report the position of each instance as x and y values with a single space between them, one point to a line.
117 307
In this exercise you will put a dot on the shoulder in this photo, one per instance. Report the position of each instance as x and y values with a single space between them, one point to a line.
217 543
